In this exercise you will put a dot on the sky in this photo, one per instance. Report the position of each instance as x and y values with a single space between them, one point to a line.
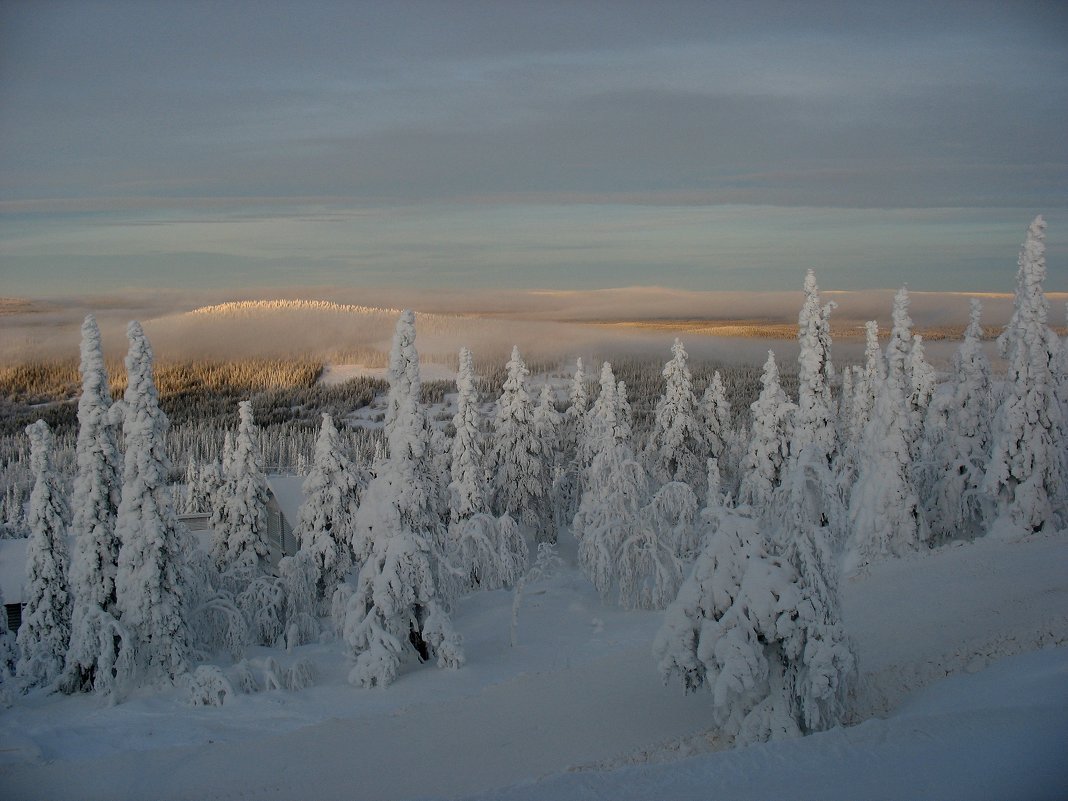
505 145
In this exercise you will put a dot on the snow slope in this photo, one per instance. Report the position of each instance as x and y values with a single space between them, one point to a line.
578 700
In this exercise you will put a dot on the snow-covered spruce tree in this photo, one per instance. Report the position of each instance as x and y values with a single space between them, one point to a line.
815 416
676 447
490 552
467 490
734 629
547 425
907 367
327 516
94 655
769 442
715 417
600 423
956 459
671 515
618 548
45 631
819 681
190 502
883 508
517 475
809 486
567 482
241 538
396 610
1027 475
149 583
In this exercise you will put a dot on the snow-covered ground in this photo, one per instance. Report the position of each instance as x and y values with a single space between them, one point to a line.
577 710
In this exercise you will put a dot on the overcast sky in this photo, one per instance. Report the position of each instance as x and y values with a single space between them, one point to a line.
530 145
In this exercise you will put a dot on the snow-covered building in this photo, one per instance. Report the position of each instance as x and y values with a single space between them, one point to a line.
13 579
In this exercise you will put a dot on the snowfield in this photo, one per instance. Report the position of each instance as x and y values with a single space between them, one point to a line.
577 709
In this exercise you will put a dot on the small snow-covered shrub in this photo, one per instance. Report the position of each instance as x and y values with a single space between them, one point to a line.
273 675
244 677
209 687
301 674
264 605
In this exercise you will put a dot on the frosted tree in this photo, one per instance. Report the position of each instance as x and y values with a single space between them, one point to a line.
601 422
671 515
814 418
769 442
190 503
467 490
149 582
326 524
744 627
45 631
490 552
676 447
517 475
1027 475
396 610
94 656
568 479
884 510
715 415
957 441
241 538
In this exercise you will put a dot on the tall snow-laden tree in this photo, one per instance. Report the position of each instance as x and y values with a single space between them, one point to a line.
676 447
490 552
618 549
149 583
93 653
547 425
45 631
241 540
397 610
467 490
715 415
567 483
746 627
327 517
769 442
956 448
519 488
884 510
599 430
814 418
1027 475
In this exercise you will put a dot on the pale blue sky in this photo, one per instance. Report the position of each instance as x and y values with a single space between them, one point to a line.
539 145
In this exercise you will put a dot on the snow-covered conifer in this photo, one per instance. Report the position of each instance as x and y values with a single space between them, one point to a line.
397 609
149 581
94 631
467 490
769 442
814 420
325 528
45 631
1027 475
241 538
677 446
744 627
715 414
883 508
517 476
567 481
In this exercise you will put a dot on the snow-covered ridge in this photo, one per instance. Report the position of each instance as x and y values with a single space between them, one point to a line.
242 308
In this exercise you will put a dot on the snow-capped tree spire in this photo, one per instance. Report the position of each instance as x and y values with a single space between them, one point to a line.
45 631
814 420
149 582
327 516
398 609
96 546
769 442
676 448
1027 476
467 491
241 534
